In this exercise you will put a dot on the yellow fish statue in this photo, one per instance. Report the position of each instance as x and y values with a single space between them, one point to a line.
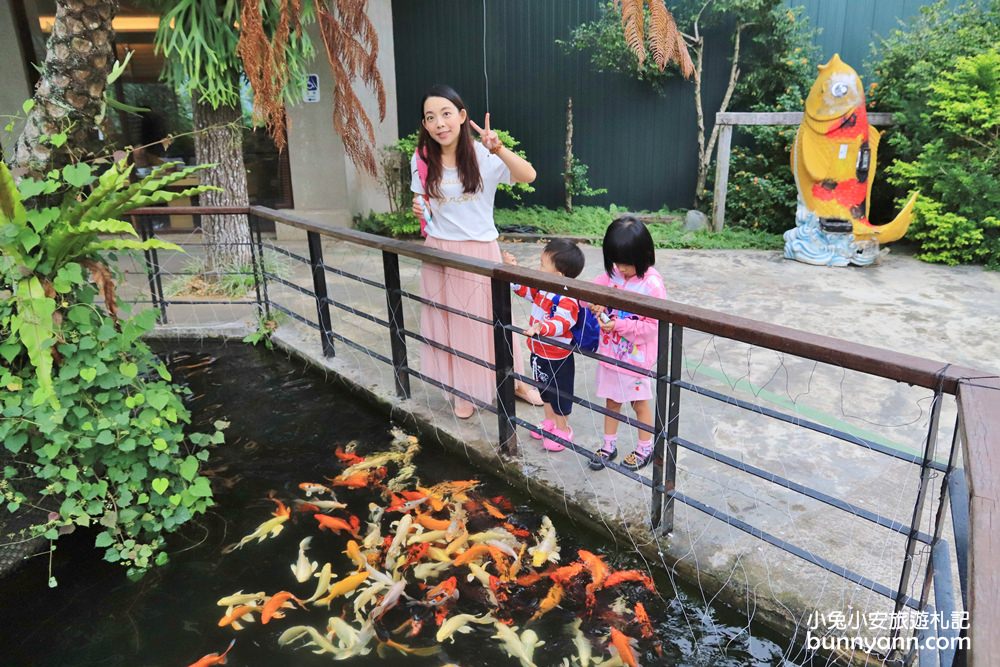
833 161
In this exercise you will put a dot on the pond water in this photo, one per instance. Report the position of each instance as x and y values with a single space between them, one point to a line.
286 421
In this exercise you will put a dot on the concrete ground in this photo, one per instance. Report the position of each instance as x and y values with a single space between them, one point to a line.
899 304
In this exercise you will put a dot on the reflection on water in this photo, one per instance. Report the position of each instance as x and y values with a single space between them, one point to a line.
286 426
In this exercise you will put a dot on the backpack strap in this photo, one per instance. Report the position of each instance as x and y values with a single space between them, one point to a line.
422 174
555 304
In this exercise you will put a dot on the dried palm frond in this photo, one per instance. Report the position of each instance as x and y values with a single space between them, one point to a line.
665 40
351 45
352 51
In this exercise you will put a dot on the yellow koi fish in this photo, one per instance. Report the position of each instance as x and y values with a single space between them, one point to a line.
546 549
323 585
460 624
344 587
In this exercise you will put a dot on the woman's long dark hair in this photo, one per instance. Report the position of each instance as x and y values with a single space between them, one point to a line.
465 154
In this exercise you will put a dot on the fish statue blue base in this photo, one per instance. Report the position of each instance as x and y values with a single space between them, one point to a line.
811 244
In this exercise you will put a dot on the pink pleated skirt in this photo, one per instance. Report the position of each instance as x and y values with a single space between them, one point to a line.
466 293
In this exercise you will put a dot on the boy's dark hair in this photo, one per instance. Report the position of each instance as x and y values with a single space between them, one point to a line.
627 241
566 256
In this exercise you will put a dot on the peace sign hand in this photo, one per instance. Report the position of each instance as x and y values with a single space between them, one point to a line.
488 137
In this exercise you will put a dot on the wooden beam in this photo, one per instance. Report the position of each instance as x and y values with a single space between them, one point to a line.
979 412
783 118
721 178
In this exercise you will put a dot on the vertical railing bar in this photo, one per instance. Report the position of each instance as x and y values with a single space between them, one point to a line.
939 519
150 277
673 423
319 287
657 507
503 346
959 494
918 506
258 270
397 339
263 274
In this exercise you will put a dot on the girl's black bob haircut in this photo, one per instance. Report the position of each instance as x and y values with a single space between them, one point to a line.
627 241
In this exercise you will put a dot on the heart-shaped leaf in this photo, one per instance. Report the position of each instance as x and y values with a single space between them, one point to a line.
78 175
160 485
189 468
175 499
88 374
128 369
160 444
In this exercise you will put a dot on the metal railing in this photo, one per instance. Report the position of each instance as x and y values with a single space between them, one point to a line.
969 495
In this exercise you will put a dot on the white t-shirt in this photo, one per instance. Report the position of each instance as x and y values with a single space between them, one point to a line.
458 216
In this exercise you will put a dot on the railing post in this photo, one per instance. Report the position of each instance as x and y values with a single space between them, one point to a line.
503 353
258 266
397 340
263 273
319 287
657 507
152 269
668 409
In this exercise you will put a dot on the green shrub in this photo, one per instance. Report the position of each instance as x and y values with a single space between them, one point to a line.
401 224
958 171
90 418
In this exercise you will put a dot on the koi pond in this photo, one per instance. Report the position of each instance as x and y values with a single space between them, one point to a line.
430 562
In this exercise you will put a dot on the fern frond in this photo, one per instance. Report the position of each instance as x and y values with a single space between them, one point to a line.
661 27
632 25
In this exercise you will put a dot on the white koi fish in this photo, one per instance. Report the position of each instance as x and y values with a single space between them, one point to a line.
325 505
584 649
240 598
425 571
547 549
374 536
390 599
514 645
325 575
270 528
322 644
402 530
303 568
428 536
460 624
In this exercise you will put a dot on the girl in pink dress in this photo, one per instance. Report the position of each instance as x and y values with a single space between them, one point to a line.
627 337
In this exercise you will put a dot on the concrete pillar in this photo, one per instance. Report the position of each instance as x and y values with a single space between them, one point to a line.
16 87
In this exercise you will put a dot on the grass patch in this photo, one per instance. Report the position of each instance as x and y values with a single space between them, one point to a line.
591 221
235 282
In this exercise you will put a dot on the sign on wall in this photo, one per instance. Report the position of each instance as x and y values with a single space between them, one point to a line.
312 88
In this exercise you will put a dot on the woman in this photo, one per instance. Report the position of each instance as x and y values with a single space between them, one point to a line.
462 176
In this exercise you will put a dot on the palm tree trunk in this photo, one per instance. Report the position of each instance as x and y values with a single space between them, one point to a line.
70 93
219 141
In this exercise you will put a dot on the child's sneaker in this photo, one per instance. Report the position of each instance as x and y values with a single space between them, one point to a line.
552 445
545 425
603 454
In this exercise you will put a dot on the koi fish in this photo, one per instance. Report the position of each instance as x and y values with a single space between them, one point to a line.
598 573
629 575
521 647
353 551
324 505
269 529
547 549
344 587
642 618
460 624
322 644
399 539
443 592
402 478
274 603
323 585
567 573
311 488
303 568
348 458
492 510
430 523
835 151
584 649
389 600
549 602
475 552
406 501
425 571
408 650
622 644
427 536
336 524
281 509
236 614
374 534
213 658
239 598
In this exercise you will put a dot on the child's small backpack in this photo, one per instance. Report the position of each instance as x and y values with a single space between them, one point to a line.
586 331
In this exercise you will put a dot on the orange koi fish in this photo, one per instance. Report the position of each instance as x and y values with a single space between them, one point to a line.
549 602
474 552
281 509
529 579
598 573
237 614
303 506
430 523
493 510
629 575
213 658
347 458
443 592
273 606
336 524
353 552
567 573
646 627
622 644
311 488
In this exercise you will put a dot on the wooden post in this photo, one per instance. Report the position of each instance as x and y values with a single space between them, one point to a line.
721 178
